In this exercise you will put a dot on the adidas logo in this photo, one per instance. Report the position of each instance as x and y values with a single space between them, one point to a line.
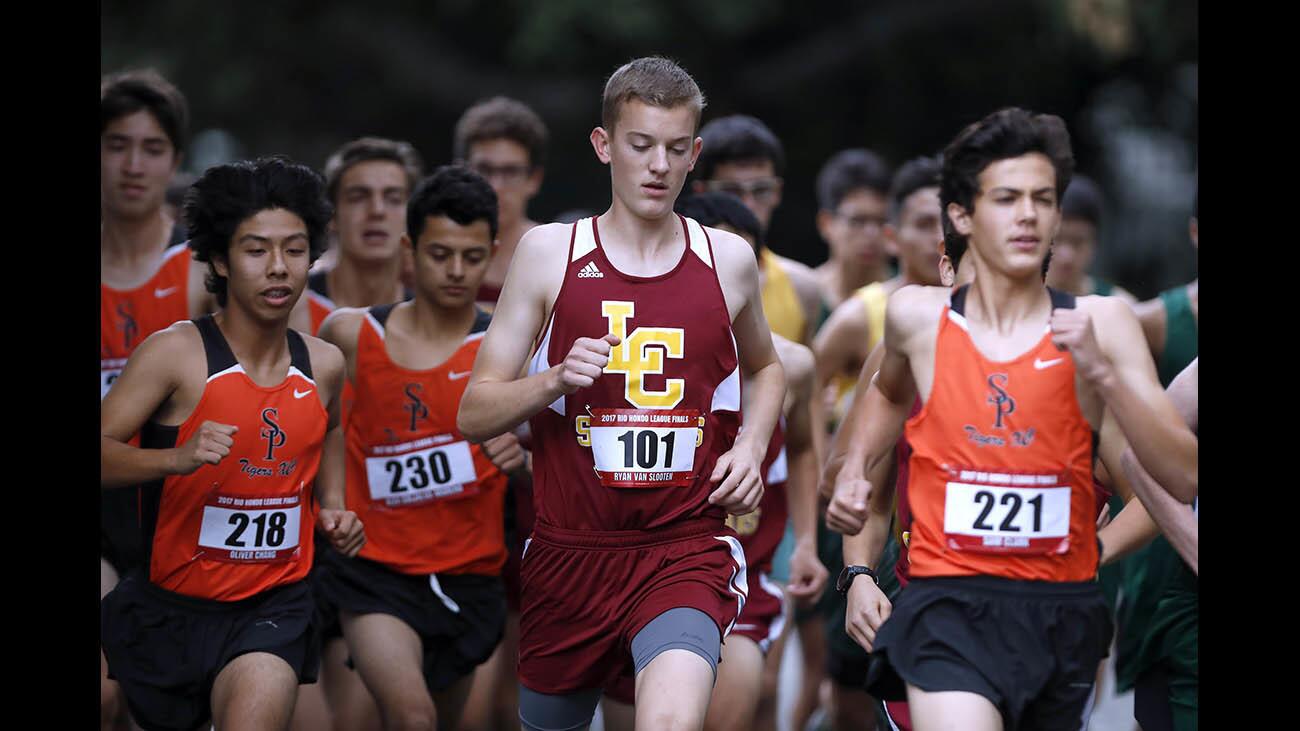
590 271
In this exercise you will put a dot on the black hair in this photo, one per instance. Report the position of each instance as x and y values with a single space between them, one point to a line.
915 174
738 138
850 170
127 92
1082 200
227 195
1004 134
453 191
715 207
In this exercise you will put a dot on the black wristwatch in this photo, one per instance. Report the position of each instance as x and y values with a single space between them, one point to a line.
846 577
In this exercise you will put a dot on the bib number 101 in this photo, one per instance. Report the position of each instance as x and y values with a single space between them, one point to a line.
641 449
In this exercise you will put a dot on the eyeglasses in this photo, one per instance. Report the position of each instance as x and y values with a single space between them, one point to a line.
507 174
763 190
862 223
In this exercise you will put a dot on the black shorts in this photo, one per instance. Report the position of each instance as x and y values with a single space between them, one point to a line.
459 630
1030 647
327 613
166 649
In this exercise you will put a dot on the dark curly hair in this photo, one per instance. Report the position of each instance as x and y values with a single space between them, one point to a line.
227 195
1004 134
453 191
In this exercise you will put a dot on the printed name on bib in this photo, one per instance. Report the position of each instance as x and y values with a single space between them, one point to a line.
642 447
418 475
250 529
1000 512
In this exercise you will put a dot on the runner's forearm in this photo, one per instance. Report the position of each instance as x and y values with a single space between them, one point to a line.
490 408
1175 519
121 465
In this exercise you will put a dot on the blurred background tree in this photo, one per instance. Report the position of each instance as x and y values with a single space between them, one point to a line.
900 77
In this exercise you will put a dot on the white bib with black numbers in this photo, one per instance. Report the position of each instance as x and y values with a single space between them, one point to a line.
1006 513
250 529
421 473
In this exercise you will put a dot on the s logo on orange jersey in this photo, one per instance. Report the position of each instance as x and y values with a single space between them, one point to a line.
642 353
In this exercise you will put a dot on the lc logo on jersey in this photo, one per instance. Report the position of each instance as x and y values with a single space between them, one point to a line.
272 433
642 353
416 407
1003 404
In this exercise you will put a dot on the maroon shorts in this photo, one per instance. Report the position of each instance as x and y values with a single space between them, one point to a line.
586 594
764 615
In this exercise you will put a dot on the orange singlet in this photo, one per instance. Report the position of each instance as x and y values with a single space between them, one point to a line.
1001 470
234 529
432 503
128 316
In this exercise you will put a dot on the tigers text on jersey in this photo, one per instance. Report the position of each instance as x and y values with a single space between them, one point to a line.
761 531
431 501
1000 479
635 450
237 528
128 316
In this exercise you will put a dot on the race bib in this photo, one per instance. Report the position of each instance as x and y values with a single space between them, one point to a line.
250 529
109 370
988 512
644 447
419 475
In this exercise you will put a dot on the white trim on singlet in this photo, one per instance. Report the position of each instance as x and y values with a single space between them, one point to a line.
475 336
778 622
293 371
540 364
726 397
780 470
379 329
892 726
959 319
739 582
236 368
173 251
321 299
584 241
699 244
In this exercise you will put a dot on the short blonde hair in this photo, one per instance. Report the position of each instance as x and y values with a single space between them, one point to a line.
656 81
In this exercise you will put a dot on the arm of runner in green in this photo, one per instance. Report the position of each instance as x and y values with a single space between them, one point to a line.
151 376
498 398
1120 368
1175 519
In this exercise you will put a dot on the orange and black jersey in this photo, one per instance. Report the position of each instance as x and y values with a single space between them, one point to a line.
1000 479
237 528
128 316
431 501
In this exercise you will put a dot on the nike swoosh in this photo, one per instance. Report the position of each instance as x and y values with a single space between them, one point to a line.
1041 364
453 375
160 293
300 394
